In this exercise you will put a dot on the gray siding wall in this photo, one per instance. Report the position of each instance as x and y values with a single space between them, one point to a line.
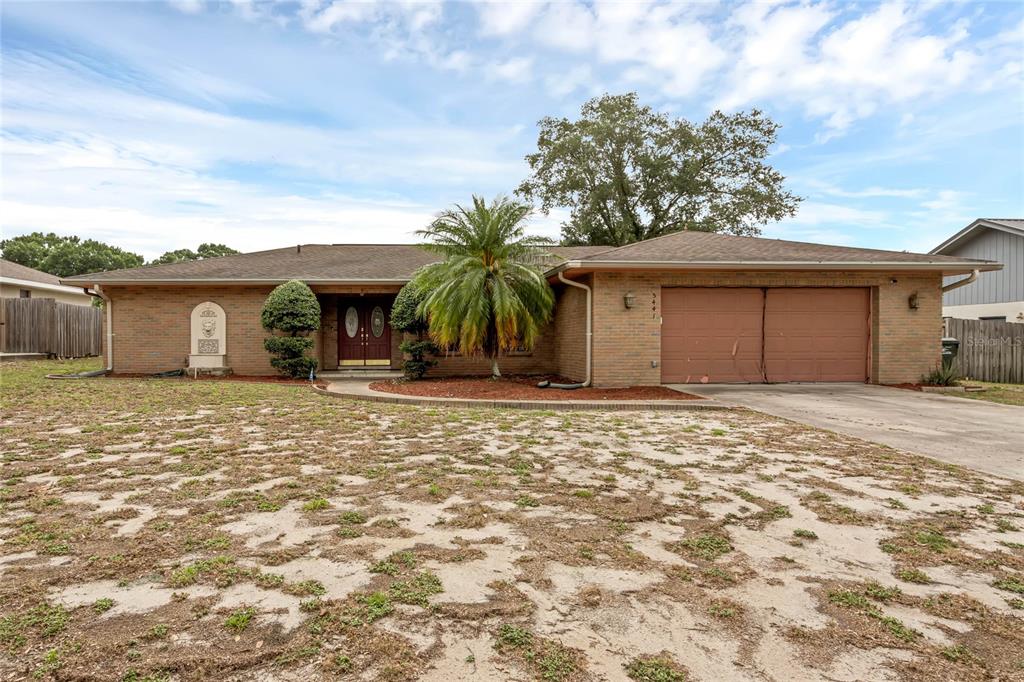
992 287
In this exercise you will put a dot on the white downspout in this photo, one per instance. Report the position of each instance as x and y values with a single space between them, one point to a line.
590 333
963 282
108 313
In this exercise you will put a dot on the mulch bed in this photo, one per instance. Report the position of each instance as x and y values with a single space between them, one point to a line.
918 387
521 388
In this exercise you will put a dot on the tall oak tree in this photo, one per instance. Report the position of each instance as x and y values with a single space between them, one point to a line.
628 173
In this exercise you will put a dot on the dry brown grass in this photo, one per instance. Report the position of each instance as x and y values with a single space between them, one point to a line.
189 530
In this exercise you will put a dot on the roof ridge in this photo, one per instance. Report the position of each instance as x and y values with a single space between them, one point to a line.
758 238
146 266
644 241
596 253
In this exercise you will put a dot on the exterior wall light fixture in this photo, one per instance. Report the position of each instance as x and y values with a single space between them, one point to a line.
629 300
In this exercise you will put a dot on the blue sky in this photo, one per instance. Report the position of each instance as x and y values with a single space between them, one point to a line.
156 126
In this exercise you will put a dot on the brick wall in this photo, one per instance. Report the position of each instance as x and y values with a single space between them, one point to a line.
570 323
151 327
904 342
539 361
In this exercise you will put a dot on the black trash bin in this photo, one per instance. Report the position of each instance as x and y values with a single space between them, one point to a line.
950 349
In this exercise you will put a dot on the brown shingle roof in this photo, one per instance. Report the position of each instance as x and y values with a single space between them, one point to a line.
310 263
706 247
353 263
17 271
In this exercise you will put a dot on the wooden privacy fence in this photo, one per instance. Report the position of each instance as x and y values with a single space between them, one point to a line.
43 325
989 350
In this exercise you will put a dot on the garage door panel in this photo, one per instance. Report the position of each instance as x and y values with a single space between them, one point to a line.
712 334
816 334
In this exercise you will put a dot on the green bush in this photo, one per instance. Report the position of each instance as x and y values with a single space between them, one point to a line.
417 364
946 375
288 346
291 309
404 317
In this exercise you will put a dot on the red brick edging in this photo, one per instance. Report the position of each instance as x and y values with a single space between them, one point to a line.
562 405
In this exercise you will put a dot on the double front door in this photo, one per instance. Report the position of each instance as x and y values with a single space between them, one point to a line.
364 335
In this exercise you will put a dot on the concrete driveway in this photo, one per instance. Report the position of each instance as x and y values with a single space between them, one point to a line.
983 436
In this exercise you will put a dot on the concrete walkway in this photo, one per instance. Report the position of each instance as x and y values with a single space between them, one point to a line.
360 390
984 436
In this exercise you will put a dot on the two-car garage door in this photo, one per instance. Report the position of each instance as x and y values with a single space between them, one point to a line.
747 335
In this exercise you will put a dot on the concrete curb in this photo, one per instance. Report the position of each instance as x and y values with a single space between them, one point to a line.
361 391
943 389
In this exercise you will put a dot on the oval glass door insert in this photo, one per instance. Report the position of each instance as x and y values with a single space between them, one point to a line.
351 322
377 321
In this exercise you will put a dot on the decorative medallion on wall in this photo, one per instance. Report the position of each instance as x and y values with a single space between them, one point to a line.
351 322
377 321
208 331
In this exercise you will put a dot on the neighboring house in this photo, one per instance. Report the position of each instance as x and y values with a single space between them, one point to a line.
996 295
686 307
18 281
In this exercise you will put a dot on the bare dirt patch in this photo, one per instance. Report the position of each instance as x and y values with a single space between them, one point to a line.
190 530
521 388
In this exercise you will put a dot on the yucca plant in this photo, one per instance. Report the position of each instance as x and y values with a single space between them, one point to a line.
489 295
943 375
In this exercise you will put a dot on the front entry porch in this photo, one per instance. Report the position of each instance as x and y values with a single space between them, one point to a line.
356 334
364 332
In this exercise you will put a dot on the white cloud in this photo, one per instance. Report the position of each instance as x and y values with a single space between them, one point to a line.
411 15
673 48
838 64
871 192
843 72
504 18
515 70
946 200
187 6
549 225
566 82
111 195
82 156
54 100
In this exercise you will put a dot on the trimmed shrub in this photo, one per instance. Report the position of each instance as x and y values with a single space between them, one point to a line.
291 357
404 317
417 364
292 310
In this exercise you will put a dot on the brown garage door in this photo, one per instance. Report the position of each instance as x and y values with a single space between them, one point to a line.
816 334
720 335
712 335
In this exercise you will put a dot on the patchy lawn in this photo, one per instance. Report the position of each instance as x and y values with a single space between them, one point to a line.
1007 394
187 530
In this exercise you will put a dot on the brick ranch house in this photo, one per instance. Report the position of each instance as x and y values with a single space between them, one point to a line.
686 307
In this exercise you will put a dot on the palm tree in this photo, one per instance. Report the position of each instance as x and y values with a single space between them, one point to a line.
489 294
